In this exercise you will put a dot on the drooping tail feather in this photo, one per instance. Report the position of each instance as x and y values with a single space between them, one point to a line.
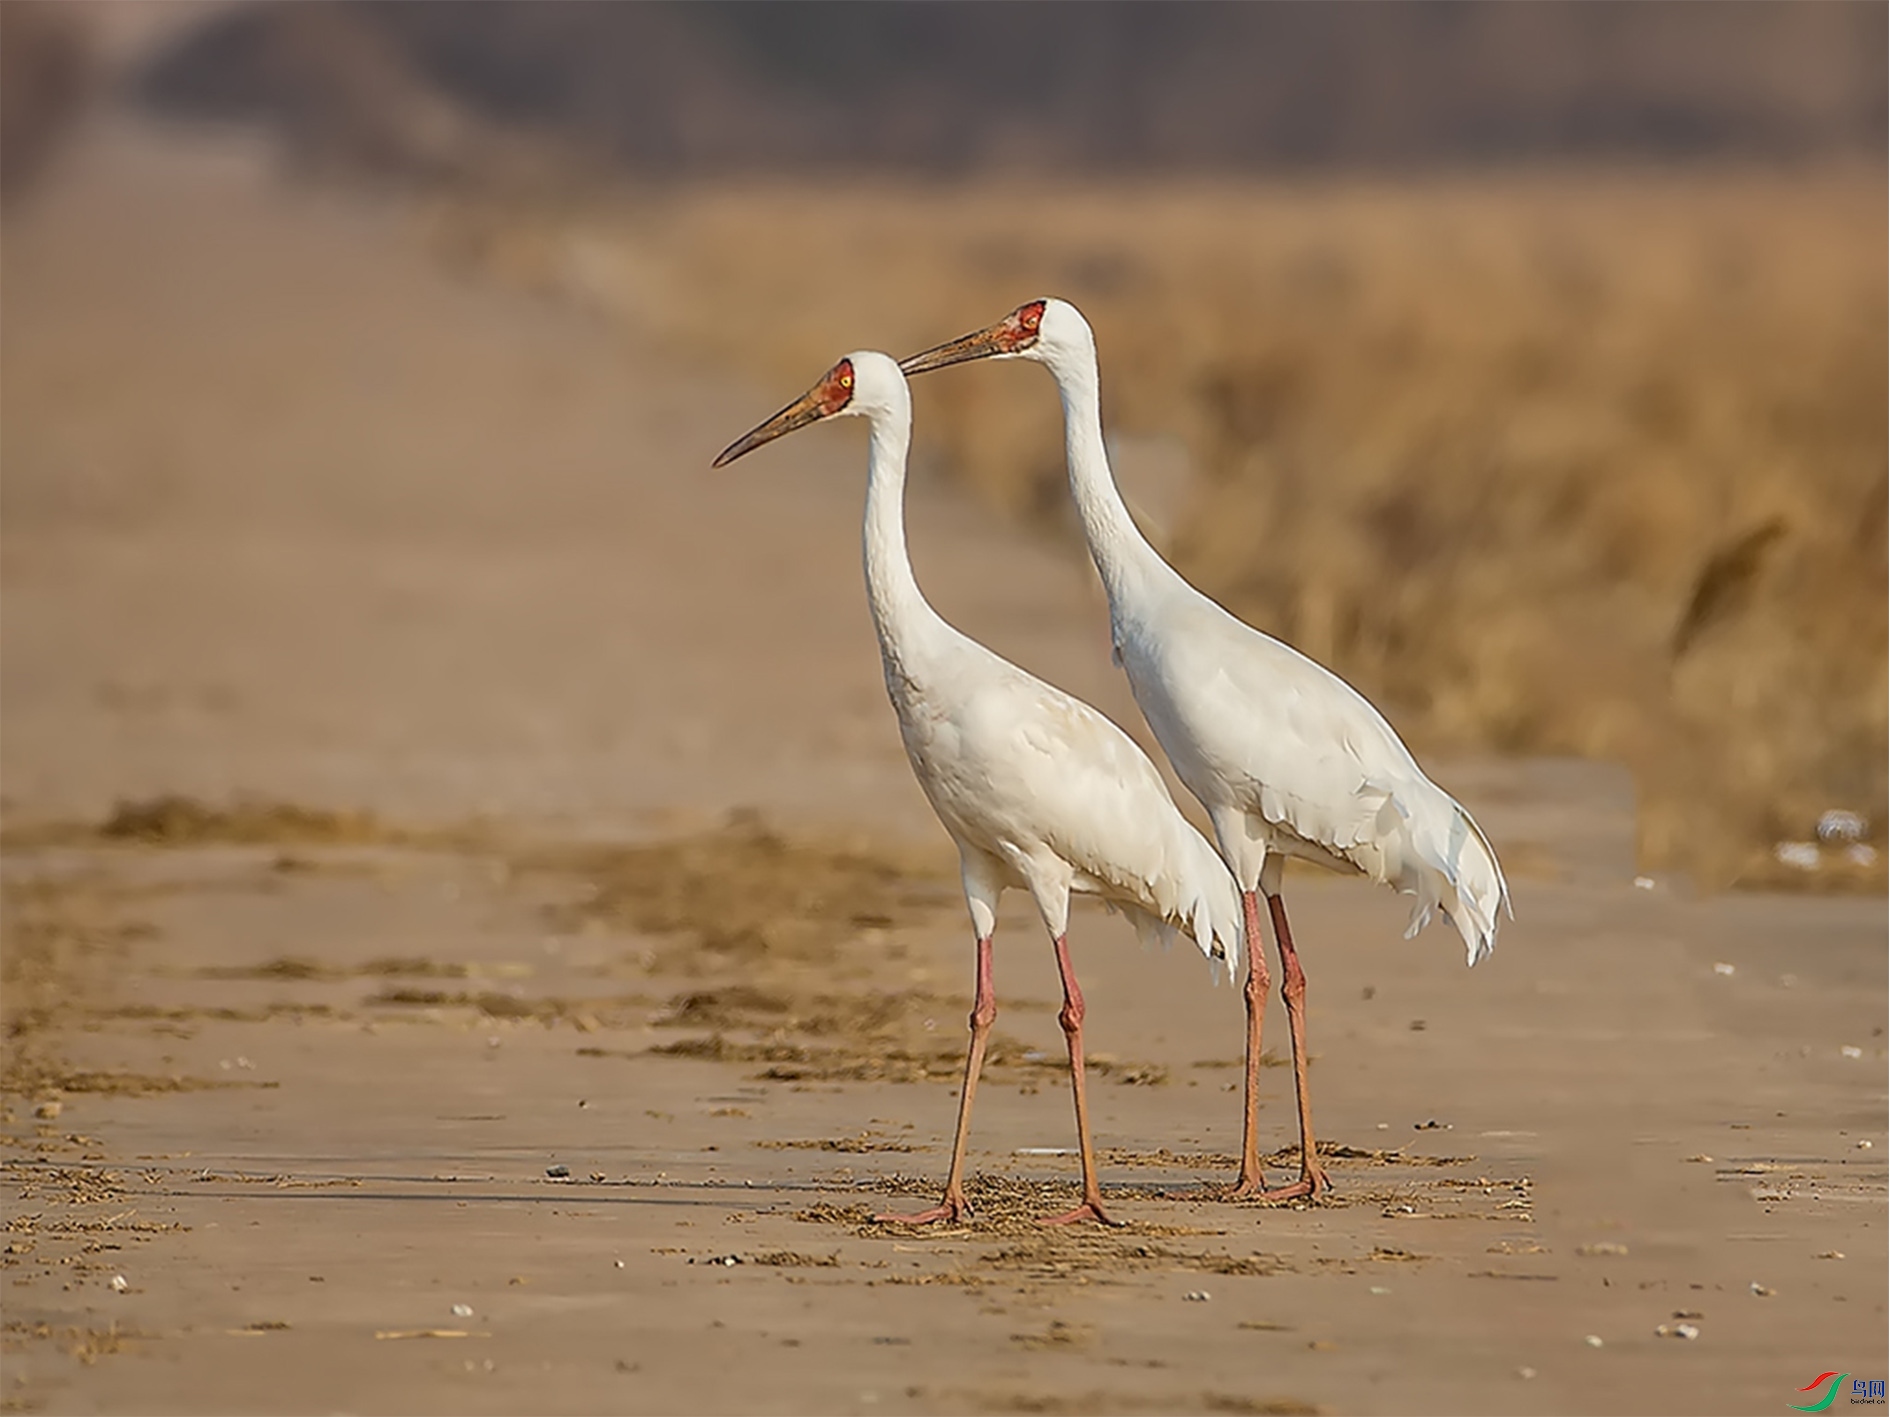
1197 898
1456 872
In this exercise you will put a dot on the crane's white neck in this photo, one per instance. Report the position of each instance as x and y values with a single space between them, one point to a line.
901 615
1122 554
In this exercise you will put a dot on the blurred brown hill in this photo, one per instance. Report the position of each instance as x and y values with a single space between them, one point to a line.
45 75
1079 87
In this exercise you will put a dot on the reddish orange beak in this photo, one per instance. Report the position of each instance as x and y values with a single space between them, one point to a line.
833 393
804 410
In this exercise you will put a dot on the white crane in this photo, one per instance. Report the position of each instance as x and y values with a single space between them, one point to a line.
1036 788
1287 758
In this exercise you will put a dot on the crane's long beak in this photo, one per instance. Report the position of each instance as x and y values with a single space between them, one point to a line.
998 339
804 410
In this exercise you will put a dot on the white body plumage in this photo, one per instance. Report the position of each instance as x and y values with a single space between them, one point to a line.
1287 758
1035 787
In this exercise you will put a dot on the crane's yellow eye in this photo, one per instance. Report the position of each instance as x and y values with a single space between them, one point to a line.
846 381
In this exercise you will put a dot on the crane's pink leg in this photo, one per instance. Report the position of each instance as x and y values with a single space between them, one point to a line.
954 1207
1071 1017
1312 1176
1251 1181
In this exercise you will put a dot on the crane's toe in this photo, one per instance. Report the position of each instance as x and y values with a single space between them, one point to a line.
951 1210
1246 1188
1310 1186
1088 1210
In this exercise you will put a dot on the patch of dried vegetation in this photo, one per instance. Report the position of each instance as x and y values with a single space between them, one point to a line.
863 1057
777 932
66 942
743 910
745 894
178 820
878 1035
87 1345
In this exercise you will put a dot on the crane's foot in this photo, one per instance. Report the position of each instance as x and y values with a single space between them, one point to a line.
1088 1210
1252 1187
951 1210
1311 1185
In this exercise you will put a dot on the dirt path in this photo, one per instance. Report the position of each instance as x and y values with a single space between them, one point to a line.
290 512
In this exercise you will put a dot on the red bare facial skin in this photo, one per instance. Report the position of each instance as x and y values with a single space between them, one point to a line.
1024 325
835 391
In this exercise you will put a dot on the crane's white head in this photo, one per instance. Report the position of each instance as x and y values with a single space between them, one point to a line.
866 383
1049 331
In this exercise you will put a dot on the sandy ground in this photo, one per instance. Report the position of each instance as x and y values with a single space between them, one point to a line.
291 513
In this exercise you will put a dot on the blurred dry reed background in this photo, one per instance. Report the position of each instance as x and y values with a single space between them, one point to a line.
1591 464
1530 361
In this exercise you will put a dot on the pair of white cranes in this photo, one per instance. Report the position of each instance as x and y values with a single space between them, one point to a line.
1040 790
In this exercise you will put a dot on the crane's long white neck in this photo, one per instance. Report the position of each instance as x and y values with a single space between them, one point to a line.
1129 566
904 620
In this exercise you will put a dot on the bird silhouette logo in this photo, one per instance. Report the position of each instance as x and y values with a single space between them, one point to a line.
1830 1394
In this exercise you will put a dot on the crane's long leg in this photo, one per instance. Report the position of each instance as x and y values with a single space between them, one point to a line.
1251 1182
954 1207
1071 1017
1312 1176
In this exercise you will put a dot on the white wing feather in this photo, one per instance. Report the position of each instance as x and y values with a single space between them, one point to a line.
1287 739
1043 782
